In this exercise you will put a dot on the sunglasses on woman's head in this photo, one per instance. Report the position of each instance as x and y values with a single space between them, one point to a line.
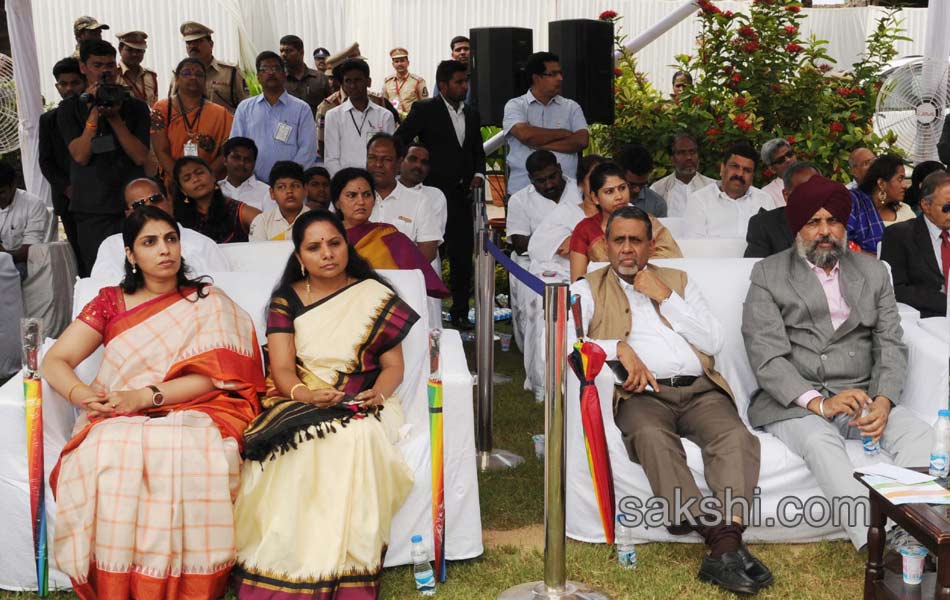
142 202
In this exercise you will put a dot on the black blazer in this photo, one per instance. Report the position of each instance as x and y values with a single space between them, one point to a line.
917 278
54 159
452 165
768 233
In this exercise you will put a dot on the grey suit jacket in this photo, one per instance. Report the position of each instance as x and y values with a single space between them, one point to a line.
792 347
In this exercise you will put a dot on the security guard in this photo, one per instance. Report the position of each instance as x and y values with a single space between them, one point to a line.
224 84
320 56
142 82
403 88
86 28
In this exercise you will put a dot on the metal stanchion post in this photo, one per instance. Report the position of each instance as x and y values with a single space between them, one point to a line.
555 585
488 458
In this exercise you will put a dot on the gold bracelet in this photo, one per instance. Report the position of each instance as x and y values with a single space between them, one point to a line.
294 388
69 396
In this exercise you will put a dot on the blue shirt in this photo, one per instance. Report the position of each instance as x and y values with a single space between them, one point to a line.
255 118
865 227
559 113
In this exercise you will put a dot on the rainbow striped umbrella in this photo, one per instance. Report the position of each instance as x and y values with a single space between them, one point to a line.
586 360
436 445
31 332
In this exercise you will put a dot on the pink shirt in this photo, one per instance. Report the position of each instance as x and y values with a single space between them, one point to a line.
838 309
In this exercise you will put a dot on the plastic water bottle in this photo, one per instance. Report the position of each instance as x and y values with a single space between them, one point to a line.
421 569
940 453
872 447
626 549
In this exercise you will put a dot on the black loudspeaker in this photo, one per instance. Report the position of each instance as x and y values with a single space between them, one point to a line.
586 50
498 58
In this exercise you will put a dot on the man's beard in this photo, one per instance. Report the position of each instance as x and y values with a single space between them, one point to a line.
823 258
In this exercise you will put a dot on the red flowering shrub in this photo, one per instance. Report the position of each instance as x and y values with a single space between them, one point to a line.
608 15
746 88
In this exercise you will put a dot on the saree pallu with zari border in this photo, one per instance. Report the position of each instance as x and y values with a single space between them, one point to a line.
320 487
145 501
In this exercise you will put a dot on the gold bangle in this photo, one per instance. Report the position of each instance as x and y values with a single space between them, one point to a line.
303 385
69 395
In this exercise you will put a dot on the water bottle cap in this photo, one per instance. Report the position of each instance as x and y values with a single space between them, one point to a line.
416 539
943 412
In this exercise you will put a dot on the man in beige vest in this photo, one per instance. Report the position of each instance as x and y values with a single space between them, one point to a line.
660 329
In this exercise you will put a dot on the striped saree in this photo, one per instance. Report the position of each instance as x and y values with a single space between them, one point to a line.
145 500
320 487
385 247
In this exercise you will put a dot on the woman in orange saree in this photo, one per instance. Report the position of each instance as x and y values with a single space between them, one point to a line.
144 489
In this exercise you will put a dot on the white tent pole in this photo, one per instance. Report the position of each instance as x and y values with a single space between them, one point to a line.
633 46
26 72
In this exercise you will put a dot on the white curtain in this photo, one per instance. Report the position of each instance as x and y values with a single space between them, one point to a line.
29 103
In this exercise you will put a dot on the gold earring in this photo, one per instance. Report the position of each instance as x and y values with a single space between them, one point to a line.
303 270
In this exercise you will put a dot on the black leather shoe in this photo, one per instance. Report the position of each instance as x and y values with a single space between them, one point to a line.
755 568
728 572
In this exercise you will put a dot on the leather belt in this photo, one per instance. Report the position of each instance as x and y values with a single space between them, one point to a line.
678 381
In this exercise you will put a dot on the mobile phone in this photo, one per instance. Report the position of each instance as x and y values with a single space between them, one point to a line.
621 374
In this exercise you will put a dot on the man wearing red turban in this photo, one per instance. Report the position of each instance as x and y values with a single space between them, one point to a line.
823 337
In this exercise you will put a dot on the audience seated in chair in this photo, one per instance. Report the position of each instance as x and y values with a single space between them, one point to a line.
202 206
179 379
877 202
777 156
723 209
685 180
660 329
200 252
768 231
331 419
24 220
317 180
610 192
530 205
823 336
919 250
637 164
240 157
287 190
384 246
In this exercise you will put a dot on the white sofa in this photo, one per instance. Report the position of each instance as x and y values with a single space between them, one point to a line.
252 290
724 283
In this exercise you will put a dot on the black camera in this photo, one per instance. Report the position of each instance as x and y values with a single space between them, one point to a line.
107 94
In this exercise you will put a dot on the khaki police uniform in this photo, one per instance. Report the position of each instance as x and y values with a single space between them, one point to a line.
403 92
85 23
143 84
224 83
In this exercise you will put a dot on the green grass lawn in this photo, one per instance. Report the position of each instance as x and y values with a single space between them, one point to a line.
513 500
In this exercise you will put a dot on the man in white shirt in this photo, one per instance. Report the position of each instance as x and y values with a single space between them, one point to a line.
659 328
288 190
723 210
24 219
199 252
350 126
405 209
677 187
240 157
777 155
414 170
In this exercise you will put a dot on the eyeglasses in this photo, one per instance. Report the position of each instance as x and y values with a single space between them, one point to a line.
783 159
153 199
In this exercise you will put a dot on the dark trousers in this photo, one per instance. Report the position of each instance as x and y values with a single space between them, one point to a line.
652 424
460 247
61 209
91 229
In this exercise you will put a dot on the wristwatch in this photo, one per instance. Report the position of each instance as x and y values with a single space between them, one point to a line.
158 398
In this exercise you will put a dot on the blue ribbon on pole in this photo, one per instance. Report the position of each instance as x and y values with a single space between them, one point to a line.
520 273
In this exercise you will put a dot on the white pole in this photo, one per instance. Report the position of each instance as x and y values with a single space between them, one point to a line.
26 74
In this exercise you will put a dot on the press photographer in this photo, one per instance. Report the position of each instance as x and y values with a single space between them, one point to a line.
107 133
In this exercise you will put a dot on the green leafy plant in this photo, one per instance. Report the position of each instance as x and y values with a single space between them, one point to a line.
755 78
